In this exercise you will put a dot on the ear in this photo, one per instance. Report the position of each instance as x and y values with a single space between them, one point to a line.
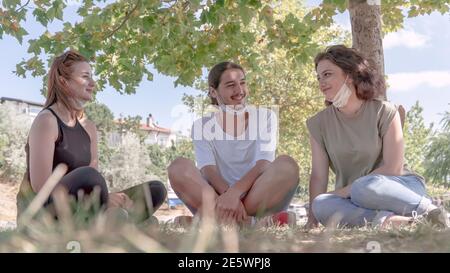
350 79
212 92
63 80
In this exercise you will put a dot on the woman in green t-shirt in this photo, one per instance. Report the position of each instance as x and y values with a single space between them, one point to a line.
360 138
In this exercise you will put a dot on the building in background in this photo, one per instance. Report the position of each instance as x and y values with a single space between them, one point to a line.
155 134
158 135
29 108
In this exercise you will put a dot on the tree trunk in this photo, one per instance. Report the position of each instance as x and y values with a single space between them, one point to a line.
365 17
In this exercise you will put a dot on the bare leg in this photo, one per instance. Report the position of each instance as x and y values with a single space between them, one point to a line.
272 186
396 221
188 183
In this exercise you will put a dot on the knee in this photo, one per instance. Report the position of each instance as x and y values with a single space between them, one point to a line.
158 190
178 170
93 177
365 187
320 207
288 166
89 179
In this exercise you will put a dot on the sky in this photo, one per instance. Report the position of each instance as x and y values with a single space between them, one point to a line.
417 62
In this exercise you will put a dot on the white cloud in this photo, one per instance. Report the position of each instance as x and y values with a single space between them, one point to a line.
410 81
405 38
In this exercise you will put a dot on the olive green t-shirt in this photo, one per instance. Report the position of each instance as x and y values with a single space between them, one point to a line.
354 145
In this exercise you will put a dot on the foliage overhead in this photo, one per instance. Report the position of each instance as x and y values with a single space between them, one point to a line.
178 38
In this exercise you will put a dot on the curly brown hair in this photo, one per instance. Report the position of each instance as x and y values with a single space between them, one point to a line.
368 83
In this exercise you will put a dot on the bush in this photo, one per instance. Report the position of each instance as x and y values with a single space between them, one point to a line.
14 128
437 158
129 166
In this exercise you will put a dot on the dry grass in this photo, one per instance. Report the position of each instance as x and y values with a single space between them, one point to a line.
99 235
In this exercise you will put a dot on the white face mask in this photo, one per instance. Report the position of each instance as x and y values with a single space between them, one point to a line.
78 103
231 109
342 96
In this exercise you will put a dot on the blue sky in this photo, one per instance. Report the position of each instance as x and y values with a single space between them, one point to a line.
417 61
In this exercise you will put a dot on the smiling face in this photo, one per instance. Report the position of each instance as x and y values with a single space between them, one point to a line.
232 89
331 78
80 83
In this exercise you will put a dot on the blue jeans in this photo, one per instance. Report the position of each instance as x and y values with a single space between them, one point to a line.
370 197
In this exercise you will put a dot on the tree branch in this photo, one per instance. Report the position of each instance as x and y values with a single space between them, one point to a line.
23 6
127 16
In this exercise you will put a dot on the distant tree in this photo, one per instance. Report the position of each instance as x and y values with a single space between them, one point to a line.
101 115
103 118
159 159
162 157
131 124
183 148
129 165
437 159
14 128
417 138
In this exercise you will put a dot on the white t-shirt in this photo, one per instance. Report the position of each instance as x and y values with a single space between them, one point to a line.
235 156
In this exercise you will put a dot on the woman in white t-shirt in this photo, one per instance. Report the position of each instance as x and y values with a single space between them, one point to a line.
235 157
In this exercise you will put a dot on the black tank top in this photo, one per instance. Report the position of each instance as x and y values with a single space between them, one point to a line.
73 146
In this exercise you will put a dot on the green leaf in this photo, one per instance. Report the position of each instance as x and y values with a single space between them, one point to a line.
34 47
246 14
41 16
20 71
10 4
19 34
148 23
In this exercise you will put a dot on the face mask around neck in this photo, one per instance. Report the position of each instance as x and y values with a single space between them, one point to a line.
342 96
231 109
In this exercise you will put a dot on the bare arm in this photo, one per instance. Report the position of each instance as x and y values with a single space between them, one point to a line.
246 182
43 134
318 181
393 150
212 174
229 204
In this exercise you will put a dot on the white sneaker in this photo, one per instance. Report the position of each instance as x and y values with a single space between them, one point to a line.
438 217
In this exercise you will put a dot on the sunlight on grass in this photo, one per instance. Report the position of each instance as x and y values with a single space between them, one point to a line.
84 232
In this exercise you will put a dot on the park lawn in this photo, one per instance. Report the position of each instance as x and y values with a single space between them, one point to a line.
100 236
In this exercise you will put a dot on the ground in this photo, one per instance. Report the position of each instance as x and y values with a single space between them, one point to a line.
202 237
8 207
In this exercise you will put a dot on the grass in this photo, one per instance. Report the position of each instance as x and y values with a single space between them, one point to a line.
98 237
99 234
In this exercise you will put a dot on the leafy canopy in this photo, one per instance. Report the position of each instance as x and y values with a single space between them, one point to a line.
178 38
